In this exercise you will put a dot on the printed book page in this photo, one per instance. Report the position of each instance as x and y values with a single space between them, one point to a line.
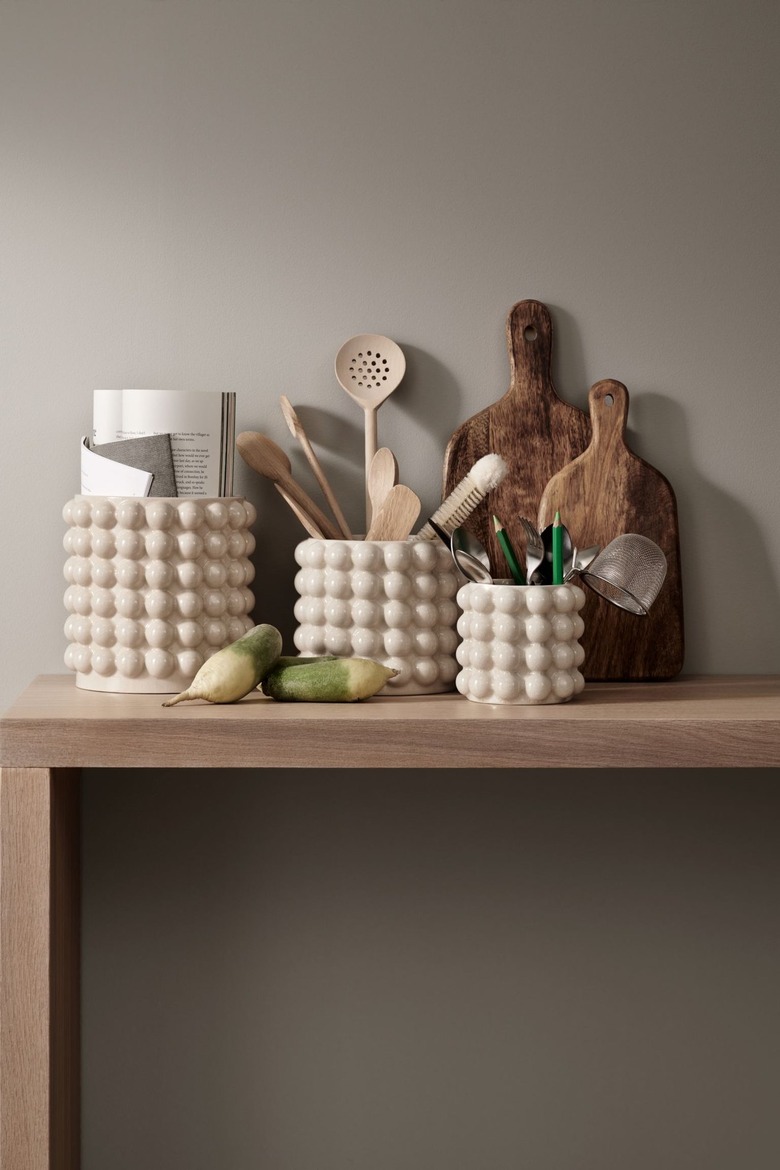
106 415
201 424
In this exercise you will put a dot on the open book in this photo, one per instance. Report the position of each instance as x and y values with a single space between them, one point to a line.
201 423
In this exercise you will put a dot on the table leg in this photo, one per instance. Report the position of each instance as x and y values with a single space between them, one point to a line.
39 969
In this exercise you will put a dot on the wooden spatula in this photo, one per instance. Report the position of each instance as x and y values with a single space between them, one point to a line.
605 492
396 518
382 476
534 431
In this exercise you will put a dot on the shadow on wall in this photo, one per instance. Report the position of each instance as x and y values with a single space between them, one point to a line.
431 396
569 376
733 617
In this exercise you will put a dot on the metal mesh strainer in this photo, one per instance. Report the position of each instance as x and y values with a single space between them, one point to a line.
629 572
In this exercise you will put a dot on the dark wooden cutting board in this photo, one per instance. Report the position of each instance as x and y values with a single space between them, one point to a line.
605 492
531 427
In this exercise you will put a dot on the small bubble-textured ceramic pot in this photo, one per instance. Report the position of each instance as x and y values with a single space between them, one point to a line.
520 643
393 601
155 587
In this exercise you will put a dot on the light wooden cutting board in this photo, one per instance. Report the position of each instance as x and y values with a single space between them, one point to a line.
606 491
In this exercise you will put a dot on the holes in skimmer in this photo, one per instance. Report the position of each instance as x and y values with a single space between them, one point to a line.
372 367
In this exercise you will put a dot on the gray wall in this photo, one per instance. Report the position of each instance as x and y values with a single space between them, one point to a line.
472 970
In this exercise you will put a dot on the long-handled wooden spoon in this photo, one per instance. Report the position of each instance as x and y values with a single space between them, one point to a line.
295 427
395 518
370 367
382 476
268 459
304 517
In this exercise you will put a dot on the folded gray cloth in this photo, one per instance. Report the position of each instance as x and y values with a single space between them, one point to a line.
150 453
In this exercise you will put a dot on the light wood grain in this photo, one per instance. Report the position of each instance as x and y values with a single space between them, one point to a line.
267 459
298 432
304 517
534 431
396 517
382 476
39 948
687 722
370 367
605 492
694 722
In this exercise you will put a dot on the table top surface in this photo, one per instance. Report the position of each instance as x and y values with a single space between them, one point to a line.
704 721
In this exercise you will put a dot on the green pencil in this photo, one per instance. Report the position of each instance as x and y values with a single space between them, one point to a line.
509 552
557 550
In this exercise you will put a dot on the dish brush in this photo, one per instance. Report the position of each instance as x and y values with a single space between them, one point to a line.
485 475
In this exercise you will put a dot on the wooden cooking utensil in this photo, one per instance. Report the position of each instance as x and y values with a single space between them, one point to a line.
534 431
395 518
370 367
304 517
382 476
268 459
607 491
295 427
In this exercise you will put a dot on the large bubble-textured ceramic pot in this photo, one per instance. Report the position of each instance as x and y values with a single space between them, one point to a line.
520 643
393 601
155 587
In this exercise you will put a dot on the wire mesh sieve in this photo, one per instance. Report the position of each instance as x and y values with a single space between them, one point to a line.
629 572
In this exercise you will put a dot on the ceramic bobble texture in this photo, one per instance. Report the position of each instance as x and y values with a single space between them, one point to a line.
155 587
520 643
393 601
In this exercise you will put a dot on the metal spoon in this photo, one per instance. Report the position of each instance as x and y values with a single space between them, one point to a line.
543 574
370 367
471 557
469 565
534 549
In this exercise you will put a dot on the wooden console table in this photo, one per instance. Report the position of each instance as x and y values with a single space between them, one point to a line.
54 730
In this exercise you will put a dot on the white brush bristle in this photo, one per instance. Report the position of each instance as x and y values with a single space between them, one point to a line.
488 472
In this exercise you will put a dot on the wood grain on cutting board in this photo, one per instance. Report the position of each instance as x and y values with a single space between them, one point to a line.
530 427
606 491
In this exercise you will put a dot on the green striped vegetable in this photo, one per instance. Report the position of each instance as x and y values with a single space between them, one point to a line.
326 680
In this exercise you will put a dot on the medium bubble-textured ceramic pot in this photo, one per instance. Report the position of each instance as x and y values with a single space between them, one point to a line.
520 643
393 601
155 587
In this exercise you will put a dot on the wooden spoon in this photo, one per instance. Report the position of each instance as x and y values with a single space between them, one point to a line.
304 517
265 457
296 430
370 367
395 518
382 476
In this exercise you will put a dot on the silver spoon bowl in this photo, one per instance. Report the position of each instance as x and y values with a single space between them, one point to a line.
472 568
462 541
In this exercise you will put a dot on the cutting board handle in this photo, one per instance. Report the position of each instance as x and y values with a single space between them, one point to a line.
608 402
529 341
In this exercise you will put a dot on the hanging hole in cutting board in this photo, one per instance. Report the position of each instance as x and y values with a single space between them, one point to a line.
529 333
609 399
